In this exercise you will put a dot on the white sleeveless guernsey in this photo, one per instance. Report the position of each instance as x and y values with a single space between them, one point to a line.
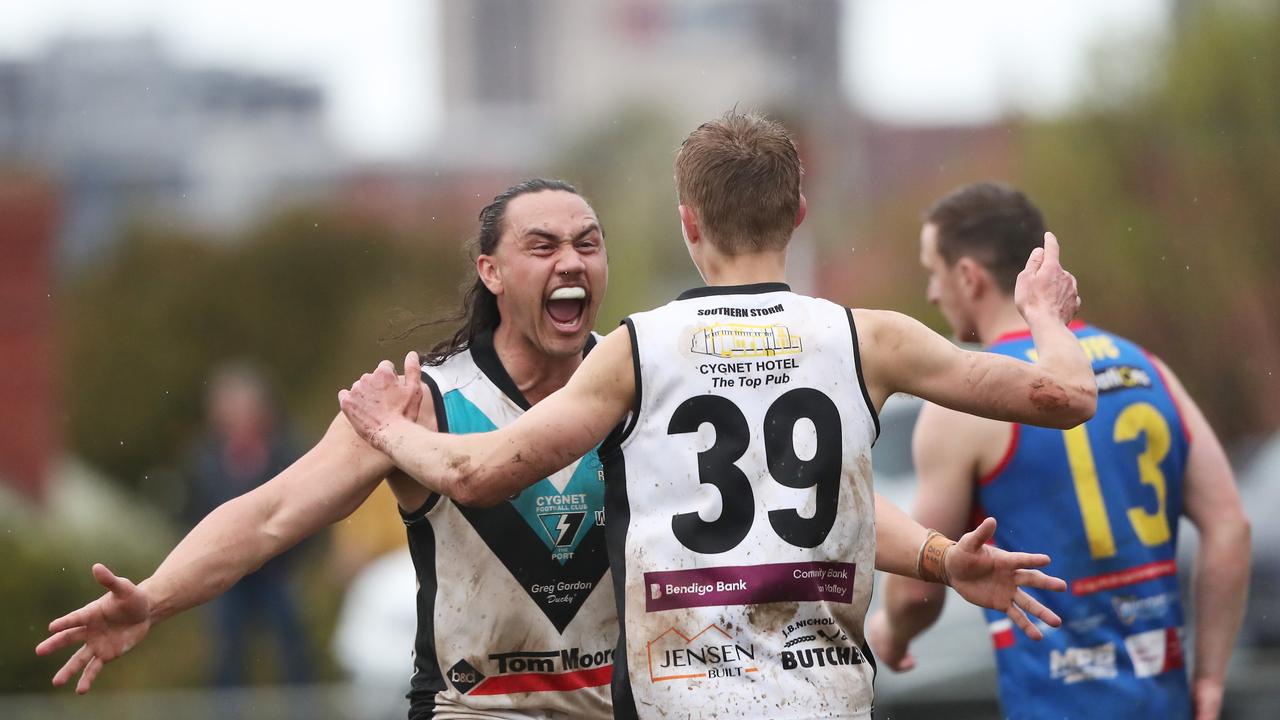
516 618
741 514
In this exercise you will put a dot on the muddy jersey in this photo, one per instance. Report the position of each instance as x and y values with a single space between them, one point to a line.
741 514
516 617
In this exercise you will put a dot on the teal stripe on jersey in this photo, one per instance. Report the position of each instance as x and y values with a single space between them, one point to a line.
465 417
559 519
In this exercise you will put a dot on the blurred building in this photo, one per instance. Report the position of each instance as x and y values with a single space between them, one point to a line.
521 78
419 202
29 435
525 80
906 169
125 129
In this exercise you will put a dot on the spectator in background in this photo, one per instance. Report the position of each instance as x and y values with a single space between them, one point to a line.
245 445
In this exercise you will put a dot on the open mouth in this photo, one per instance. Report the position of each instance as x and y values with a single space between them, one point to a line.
566 307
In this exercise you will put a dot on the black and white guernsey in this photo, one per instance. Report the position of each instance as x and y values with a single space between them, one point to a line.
741 510
515 614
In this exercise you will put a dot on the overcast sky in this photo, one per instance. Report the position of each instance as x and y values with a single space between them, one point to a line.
918 61
943 60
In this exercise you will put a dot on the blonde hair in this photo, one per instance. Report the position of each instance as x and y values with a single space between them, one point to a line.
740 173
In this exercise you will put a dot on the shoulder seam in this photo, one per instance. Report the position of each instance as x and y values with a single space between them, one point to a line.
862 380
613 443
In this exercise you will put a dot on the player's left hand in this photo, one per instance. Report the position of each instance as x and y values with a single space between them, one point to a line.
381 397
993 578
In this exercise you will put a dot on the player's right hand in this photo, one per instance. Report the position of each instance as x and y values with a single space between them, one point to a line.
1044 288
381 397
990 577
106 628
888 649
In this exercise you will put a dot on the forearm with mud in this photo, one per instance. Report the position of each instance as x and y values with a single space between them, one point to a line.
476 469
1071 382
1221 590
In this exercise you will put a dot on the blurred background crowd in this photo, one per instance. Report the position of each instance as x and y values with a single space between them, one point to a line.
214 215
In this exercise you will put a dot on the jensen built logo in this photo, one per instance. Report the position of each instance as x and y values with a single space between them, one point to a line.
710 654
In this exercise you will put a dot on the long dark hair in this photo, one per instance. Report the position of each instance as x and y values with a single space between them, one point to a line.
479 310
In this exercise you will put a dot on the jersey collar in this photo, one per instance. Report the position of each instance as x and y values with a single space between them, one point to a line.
752 289
1073 326
486 358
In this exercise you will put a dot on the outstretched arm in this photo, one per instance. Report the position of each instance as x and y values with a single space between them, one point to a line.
982 574
1222 563
485 468
902 355
323 486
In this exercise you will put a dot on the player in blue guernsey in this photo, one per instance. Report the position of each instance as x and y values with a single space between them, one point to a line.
1102 499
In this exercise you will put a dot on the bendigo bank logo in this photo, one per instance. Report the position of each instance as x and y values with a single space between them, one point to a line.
712 653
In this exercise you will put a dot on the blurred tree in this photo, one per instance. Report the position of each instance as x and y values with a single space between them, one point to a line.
1165 192
1161 185
48 556
47 560
311 298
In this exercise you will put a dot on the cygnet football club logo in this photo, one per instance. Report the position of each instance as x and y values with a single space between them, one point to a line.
561 528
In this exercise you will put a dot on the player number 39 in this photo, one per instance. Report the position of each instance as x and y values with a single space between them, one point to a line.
716 467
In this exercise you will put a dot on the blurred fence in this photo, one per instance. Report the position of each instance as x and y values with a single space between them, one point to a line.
1253 693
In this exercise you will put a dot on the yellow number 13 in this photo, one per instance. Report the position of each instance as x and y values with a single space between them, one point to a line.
1151 528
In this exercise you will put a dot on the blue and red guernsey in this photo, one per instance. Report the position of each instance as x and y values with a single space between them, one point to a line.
1103 500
